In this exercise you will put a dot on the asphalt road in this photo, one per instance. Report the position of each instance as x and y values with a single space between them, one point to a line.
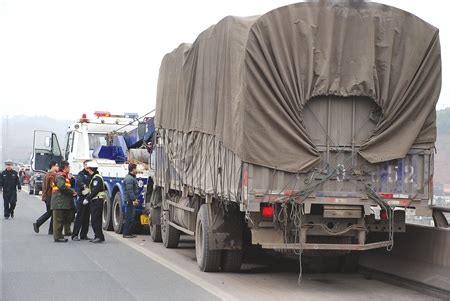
36 268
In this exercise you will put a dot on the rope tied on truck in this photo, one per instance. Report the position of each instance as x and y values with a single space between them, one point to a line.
297 212
296 204
389 211
371 193
295 201
340 169
336 233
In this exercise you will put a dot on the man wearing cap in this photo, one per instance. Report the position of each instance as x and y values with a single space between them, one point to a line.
9 180
95 199
83 206
62 202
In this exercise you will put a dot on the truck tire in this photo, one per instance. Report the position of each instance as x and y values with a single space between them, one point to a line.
117 214
207 260
155 230
170 235
106 215
30 190
231 260
36 191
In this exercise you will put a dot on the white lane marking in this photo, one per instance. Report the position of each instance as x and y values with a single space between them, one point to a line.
215 290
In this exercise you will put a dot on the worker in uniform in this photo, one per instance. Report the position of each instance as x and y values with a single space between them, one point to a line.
62 202
10 182
47 186
95 199
81 225
131 200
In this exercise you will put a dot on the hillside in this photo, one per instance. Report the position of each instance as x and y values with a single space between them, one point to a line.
17 135
442 158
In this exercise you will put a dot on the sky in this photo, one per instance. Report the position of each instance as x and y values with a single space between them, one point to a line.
63 58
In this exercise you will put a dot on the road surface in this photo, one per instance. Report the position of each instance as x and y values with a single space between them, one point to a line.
36 268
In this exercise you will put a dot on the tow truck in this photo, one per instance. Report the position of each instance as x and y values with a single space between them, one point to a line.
113 141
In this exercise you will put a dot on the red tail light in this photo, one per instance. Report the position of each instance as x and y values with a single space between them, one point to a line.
267 210
387 195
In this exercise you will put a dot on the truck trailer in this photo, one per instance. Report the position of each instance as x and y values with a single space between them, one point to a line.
304 130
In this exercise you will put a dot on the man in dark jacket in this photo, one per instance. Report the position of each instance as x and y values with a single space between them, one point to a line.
95 198
62 202
49 178
9 180
83 206
131 200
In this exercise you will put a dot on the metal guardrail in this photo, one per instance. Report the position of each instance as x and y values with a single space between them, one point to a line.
420 261
407 283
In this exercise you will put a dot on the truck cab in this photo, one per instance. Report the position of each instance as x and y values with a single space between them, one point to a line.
113 141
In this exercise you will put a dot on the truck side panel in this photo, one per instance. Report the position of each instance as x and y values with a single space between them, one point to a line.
198 161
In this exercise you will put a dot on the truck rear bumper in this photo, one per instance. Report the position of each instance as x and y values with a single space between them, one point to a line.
321 246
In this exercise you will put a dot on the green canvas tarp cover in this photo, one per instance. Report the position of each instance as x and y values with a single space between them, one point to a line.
245 81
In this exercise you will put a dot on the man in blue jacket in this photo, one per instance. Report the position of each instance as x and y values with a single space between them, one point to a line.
131 200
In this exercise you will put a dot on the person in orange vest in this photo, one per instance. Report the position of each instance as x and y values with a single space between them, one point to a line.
47 197
62 202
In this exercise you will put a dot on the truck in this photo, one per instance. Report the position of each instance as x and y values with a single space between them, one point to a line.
307 130
113 140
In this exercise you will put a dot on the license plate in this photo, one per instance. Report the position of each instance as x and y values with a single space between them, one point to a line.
144 219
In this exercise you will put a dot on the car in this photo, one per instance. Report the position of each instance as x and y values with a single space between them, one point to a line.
35 183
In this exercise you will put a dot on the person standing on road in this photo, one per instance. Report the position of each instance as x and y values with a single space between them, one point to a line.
62 202
131 200
9 180
49 179
82 206
95 199
21 175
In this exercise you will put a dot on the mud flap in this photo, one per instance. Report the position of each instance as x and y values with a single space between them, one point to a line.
227 228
